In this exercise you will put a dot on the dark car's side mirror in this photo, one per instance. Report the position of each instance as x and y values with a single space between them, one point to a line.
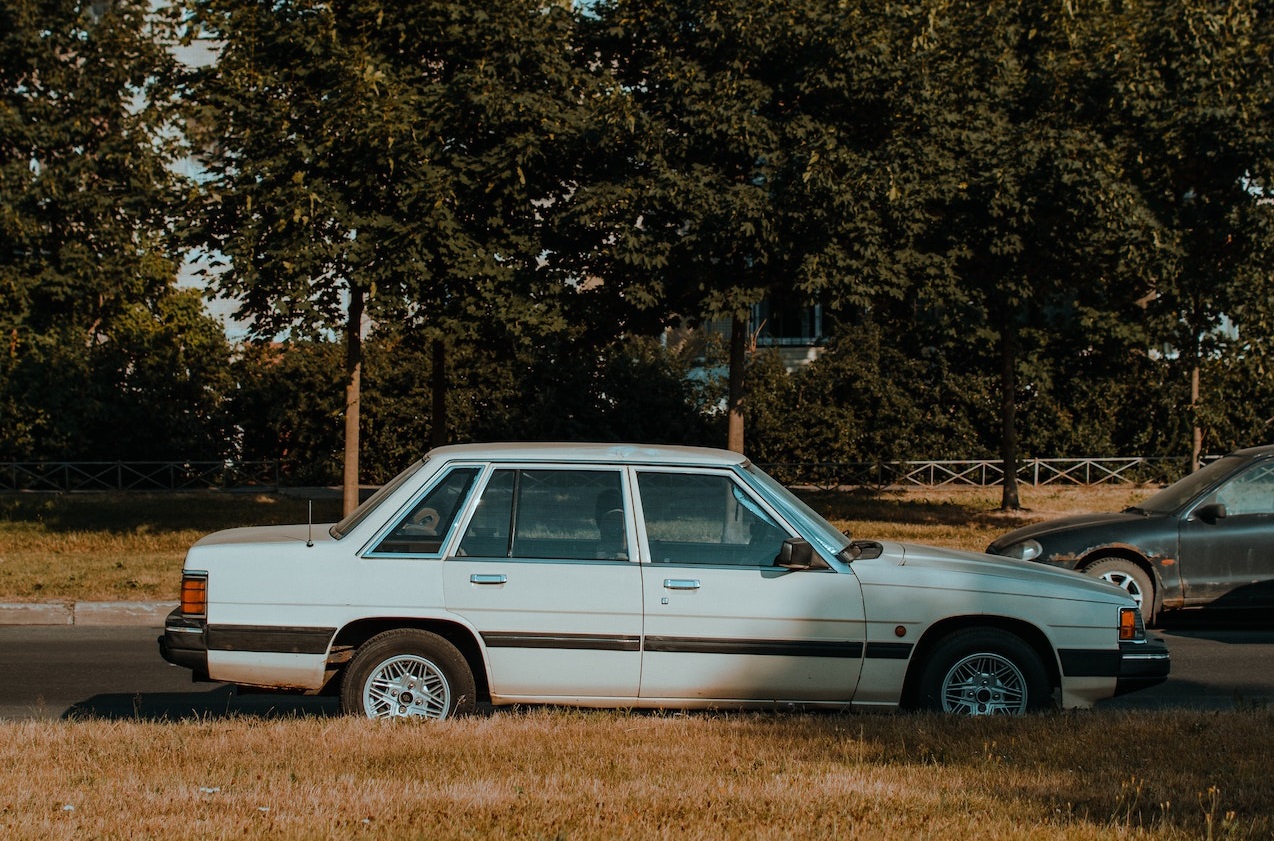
1210 513
796 553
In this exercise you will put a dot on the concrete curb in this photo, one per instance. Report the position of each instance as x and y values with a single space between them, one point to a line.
147 614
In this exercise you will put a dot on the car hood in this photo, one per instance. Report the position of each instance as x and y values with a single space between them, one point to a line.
1004 574
1116 522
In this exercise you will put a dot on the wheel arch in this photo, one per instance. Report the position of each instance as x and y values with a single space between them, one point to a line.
1133 556
1023 630
353 635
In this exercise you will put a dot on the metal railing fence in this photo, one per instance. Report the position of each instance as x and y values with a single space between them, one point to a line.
66 476
982 472
70 476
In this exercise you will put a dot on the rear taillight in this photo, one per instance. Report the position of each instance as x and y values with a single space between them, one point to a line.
1130 625
194 593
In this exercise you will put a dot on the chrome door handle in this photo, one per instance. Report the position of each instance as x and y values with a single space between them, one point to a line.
477 578
681 584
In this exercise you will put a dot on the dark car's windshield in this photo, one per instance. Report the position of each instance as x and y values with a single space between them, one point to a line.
1173 497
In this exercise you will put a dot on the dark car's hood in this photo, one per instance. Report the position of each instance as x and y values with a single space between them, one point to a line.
1122 523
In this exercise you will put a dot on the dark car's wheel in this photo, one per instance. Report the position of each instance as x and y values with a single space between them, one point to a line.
983 671
1128 577
407 673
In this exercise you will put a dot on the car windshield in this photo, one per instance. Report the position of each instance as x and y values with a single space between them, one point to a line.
808 520
360 513
1179 494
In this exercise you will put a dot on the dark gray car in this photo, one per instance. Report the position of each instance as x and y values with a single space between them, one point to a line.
1207 540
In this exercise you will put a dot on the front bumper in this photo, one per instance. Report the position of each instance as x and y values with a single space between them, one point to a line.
1142 665
185 643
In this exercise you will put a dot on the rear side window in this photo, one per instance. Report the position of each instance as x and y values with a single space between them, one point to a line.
549 514
424 530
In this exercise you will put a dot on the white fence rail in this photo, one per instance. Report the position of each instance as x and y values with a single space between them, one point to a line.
984 472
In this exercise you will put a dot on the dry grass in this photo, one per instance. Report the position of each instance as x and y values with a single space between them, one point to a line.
585 775
113 547
125 546
567 774
961 517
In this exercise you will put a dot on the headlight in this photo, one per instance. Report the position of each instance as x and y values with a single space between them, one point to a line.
1027 550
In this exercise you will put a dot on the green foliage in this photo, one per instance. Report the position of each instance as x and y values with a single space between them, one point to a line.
101 358
1044 213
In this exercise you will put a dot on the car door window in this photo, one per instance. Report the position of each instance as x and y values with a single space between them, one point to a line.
424 530
563 514
694 518
1251 492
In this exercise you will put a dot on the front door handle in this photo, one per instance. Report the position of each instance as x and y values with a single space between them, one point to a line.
477 578
681 584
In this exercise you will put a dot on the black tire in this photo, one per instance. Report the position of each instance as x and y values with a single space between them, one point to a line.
1130 578
983 671
407 673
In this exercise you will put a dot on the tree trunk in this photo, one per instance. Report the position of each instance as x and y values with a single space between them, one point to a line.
353 386
734 398
1009 500
1196 434
438 393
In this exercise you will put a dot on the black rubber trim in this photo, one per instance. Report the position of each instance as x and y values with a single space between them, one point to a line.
780 648
889 650
1142 665
273 639
577 642
1079 662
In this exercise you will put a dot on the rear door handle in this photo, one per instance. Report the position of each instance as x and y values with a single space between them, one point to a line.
681 584
478 578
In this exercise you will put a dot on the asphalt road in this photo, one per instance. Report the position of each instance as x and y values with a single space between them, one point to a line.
116 672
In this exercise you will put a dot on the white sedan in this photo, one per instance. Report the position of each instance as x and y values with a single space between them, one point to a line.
637 576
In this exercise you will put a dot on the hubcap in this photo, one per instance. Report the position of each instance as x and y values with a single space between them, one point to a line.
1125 582
984 684
406 686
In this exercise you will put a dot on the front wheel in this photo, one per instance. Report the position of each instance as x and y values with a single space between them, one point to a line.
1128 577
407 673
983 671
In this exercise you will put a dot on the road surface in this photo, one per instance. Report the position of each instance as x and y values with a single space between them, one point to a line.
116 672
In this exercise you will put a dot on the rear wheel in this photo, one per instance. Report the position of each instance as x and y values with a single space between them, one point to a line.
1128 577
407 673
983 671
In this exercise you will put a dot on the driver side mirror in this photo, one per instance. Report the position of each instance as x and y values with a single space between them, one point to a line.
1210 513
796 553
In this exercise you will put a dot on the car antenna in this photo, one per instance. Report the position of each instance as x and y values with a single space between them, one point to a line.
309 534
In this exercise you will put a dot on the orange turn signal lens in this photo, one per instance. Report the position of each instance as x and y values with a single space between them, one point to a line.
1130 625
194 594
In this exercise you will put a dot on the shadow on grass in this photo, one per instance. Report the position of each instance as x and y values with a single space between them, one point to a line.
221 702
892 507
157 513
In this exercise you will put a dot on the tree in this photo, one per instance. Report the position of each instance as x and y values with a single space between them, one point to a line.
377 161
745 165
85 199
1033 214
1196 99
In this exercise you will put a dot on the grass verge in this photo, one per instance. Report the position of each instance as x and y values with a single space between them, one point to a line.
571 774
129 546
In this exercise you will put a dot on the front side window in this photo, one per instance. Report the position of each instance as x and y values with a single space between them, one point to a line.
1251 492
425 528
549 514
706 519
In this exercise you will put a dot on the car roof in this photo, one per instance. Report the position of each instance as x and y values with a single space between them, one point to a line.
1255 452
591 453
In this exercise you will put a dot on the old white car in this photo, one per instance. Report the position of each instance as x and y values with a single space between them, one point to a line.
636 576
